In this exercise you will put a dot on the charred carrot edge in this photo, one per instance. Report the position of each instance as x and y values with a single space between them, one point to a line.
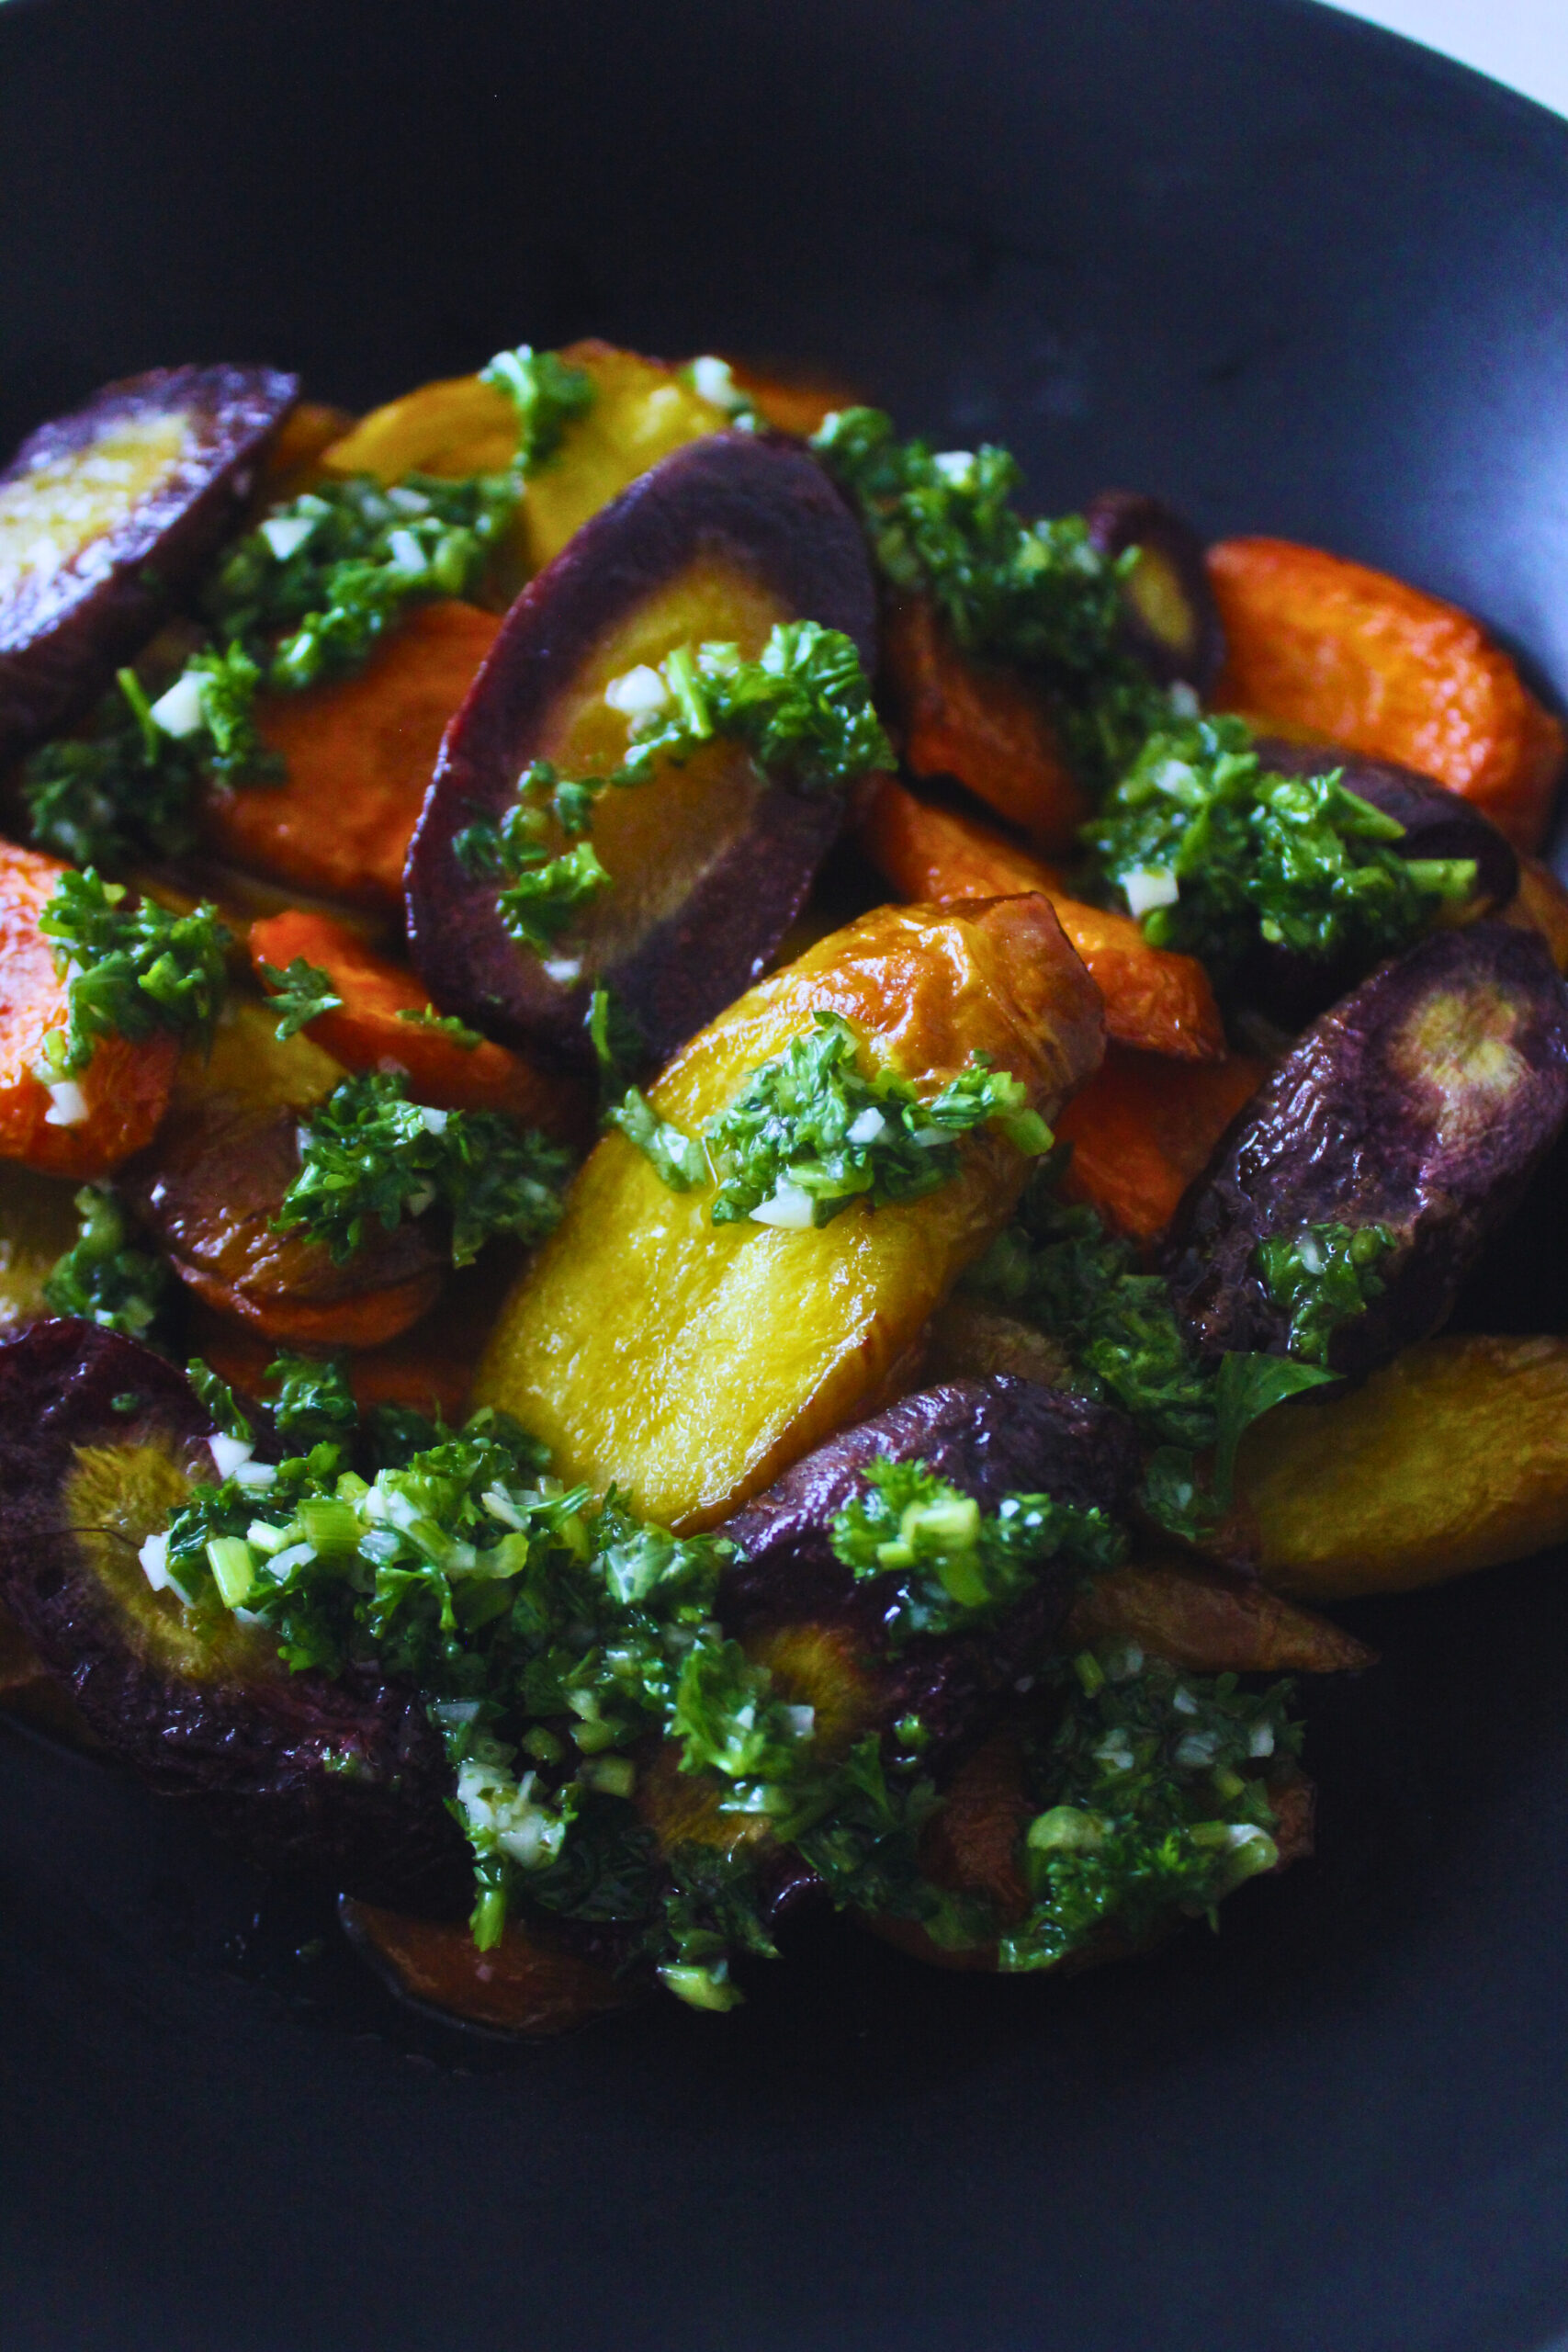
359 754
366 1032
1366 661
525 1984
367 1321
1198 1617
1154 1000
1144 1127
123 1093
979 722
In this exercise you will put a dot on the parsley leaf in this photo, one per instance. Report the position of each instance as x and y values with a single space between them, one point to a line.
444 1024
134 969
299 995
104 1280
367 1154
1214 854
219 1400
314 1404
809 1133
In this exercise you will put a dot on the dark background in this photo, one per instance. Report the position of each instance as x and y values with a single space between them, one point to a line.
1304 279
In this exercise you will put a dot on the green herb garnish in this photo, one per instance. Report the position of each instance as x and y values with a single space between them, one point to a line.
1322 1277
299 995
443 1024
1156 1802
548 393
809 1133
956 1566
102 1278
1059 1268
134 969
367 1155
1214 854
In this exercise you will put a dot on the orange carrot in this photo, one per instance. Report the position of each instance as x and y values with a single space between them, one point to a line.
1144 1127
979 722
308 428
125 1087
526 1983
1540 904
429 1367
1378 666
366 1032
360 752
366 1318
792 402
1153 1000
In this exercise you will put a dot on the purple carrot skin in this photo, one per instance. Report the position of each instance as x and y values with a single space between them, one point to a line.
1438 823
988 1438
189 444
734 505
1170 618
346 1780
1422 1102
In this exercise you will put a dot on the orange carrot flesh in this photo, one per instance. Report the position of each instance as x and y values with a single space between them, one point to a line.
367 1031
125 1087
980 723
1144 1127
1154 1000
362 1319
1540 904
429 1367
792 403
360 752
1374 664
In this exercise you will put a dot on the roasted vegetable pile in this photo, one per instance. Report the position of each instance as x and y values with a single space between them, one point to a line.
724 1174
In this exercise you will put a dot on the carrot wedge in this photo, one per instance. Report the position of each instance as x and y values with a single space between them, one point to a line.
980 722
1372 663
118 1099
1144 1127
359 752
367 1031
1154 1000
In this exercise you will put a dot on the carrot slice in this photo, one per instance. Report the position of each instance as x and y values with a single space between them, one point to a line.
430 1366
360 752
125 1087
526 1983
794 403
1540 904
1154 1000
364 1319
366 1032
979 722
1144 1127
1378 666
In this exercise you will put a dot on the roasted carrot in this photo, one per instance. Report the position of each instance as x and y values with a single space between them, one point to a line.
360 752
293 461
367 1031
1370 662
429 1367
525 1984
791 402
1154 1000
118 1099
1144 1127
366 1318
1198 1617
974 720
1540 904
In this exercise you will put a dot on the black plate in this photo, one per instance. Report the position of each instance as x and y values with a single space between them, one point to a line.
1303 278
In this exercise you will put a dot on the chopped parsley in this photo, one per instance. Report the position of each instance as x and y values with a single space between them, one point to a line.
1214 854
105 1281
219 1401
809 1133
1323 1277
132 968
548 393
956 1566
367 1155
1156 1783
1059 1268
300 994
802 709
